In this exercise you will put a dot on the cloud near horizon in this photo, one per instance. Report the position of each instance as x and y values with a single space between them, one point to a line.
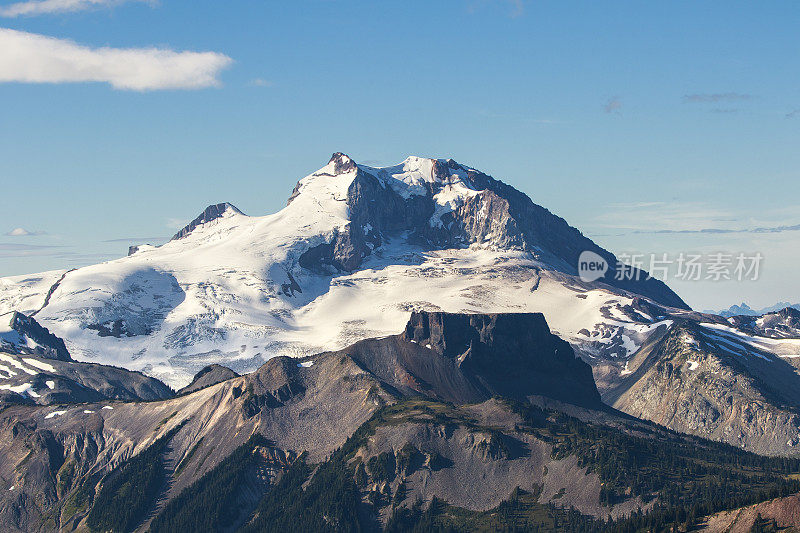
22 232
47 7
675 218
773 229
33 58
715 98
138 239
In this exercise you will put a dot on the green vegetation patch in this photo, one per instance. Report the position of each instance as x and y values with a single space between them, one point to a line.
131 489
210 503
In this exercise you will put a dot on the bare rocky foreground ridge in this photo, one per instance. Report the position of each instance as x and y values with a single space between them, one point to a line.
422 414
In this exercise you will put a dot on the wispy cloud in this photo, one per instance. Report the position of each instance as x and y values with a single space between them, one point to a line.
139 239
260 82
645 215
773 229
715 98
685 218
33 58
614 105
65 254
793 113
46 7
27 250
22 232
635 205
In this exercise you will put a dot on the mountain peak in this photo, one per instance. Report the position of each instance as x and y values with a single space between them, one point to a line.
441 204
210 213
33 338
415 171
341 163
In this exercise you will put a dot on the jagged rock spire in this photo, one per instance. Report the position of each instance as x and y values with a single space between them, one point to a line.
210 213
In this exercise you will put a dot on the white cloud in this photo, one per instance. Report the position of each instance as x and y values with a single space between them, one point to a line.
44 7
22 232
32 58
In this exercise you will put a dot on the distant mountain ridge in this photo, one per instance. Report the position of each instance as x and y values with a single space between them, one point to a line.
744 309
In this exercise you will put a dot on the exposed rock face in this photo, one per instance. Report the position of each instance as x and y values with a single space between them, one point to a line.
446 456
210 213
210 375
45 343
342 163
456 206
779 325
311 404
49 382
36 368
470 358
783 513
55 457
512 355
114 328
692 382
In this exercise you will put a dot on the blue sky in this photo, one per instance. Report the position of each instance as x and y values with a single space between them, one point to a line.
626 118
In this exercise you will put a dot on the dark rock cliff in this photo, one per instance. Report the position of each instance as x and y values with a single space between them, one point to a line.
47 344
210 213
510 354
496 215
466 358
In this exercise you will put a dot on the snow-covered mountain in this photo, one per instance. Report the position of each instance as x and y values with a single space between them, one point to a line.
357 249
354 251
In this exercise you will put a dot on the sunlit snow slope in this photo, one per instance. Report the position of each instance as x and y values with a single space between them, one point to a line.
354 251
